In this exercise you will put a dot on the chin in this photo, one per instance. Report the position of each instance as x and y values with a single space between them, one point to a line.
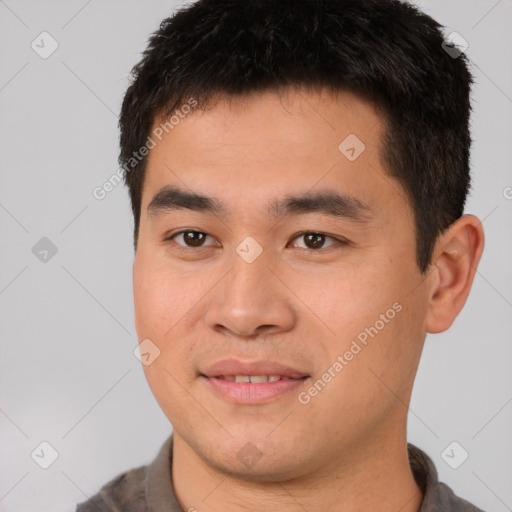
265 470
263 460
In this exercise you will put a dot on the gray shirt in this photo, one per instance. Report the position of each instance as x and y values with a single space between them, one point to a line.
149 488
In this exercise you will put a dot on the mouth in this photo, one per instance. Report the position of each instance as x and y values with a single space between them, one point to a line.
252 382
252 371
255 379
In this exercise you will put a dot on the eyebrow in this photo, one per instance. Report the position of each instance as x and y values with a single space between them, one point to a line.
328 202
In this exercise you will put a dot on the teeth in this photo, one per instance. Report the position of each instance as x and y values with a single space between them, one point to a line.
253 378
259 378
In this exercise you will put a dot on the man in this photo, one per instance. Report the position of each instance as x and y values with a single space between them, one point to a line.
298 172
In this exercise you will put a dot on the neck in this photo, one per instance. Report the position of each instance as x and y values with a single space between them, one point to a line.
376 476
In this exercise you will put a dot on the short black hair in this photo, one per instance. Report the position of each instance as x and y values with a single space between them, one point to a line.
386 51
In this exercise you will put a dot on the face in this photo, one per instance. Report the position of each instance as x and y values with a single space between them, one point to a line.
299 261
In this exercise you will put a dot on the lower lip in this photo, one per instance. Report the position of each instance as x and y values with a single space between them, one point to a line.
253 393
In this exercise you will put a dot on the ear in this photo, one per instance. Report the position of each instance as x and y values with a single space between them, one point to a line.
453 267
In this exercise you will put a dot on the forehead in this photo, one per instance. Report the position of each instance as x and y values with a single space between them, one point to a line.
267 145
276 120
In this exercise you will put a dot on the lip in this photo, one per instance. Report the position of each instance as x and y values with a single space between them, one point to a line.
237 367
247 392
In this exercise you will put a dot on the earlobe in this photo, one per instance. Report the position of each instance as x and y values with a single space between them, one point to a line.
455 260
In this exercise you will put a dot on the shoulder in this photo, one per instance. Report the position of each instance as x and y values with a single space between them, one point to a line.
139 489
437 496
448 500
126 491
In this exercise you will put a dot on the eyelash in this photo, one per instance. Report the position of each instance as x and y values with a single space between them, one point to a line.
338 241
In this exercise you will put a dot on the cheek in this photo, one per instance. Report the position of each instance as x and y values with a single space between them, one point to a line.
347 300
162 300
156 296
158 303
372 314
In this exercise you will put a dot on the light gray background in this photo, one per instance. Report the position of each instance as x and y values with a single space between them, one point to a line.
68 375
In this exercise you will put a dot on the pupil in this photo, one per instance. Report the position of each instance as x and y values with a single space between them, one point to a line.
315 239
193 238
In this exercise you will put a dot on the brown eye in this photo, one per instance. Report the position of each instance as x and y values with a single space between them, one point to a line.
190 238
316 241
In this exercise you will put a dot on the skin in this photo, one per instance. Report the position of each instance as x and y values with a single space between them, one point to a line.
292 304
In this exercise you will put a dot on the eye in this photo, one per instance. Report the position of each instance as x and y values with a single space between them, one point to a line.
316 241
190 238
312 240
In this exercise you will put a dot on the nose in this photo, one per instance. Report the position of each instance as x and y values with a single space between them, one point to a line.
251 302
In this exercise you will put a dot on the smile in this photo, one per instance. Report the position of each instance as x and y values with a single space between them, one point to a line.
253 389
253 378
